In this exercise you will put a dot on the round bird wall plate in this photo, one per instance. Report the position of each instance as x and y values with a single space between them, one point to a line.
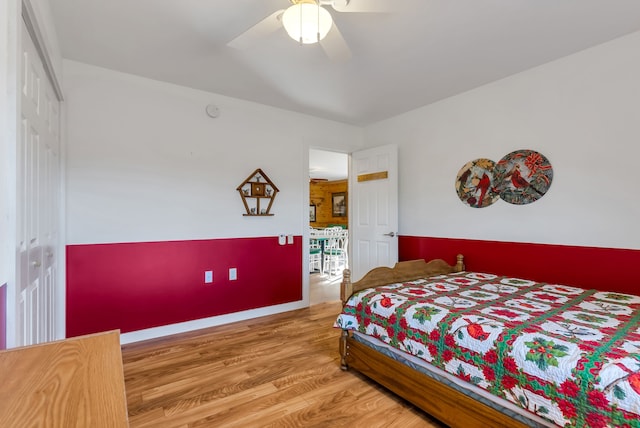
475 183
523 176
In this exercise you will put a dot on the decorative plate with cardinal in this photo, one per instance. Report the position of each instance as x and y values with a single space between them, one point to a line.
475 183
523 176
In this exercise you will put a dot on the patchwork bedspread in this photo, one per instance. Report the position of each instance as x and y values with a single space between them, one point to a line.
569 355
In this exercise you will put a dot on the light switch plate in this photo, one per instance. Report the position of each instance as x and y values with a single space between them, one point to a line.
208 276
233 274
289 239
282 239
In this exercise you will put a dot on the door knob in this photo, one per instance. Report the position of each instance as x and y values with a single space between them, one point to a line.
36 263
391 234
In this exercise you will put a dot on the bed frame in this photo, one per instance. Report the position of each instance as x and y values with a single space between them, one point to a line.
441 401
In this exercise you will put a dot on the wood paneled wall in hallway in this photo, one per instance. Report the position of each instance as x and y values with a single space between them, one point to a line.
320 196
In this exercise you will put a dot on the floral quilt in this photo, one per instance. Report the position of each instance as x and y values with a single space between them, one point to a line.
569 355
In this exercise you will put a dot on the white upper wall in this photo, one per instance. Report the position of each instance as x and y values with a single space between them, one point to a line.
581 112
145 163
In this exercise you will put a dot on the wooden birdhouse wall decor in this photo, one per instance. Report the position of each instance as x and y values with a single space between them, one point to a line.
257 193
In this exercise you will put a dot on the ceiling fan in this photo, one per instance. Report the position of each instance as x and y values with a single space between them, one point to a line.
308 21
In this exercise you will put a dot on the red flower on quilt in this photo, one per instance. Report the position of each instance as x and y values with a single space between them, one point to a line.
434 335
569 388
597 399
567 409
392 319
447 355
359 307
433 349
449 340
489 374
367 310
509 382
390 331
401 336
491 357
366 321
596 420
510 364
403 324
417 291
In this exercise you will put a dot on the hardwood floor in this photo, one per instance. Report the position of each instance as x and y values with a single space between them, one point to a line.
277 371
323 288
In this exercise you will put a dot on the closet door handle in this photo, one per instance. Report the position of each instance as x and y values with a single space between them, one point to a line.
391 234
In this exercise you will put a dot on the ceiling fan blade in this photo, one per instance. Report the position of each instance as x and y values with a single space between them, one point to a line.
254 34
372 6
335 46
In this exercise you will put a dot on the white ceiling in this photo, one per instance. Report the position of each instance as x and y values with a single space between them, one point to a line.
328 165
424 51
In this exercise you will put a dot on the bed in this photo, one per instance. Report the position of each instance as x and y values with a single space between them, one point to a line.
482 350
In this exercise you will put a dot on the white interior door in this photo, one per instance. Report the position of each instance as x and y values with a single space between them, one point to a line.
373 213
38 188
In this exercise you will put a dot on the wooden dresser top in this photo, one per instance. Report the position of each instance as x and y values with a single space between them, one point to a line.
76 382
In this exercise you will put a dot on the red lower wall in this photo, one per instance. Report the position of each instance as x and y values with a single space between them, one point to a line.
3 316
133 286
607 269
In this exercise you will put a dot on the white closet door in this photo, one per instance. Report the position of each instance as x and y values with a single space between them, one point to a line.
38 196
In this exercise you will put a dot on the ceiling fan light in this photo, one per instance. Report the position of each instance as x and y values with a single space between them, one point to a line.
307 22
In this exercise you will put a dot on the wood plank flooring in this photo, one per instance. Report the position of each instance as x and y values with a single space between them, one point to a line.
276 371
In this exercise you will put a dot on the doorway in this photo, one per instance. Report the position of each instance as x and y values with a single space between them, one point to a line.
328 209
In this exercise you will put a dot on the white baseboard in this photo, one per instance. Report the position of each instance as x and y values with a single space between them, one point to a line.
183 327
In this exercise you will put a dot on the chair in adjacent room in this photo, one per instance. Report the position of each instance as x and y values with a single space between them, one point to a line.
315 256
335 253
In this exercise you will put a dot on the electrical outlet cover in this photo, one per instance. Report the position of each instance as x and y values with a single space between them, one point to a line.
208 277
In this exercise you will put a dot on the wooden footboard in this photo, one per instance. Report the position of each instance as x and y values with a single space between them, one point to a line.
439 400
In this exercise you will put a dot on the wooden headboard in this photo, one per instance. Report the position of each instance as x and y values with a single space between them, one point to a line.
402 271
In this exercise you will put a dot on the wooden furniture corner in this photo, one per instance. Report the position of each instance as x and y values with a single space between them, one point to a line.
77 382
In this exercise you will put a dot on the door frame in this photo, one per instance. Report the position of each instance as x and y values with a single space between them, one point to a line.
305 232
